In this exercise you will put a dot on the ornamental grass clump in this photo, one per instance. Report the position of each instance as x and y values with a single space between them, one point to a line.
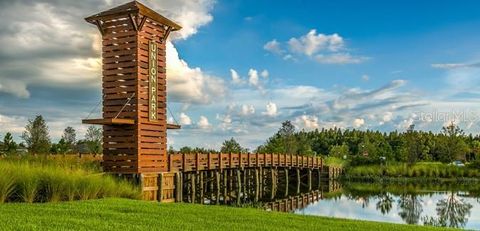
28 181
7 183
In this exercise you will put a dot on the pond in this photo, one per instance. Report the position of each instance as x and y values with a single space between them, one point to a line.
439 204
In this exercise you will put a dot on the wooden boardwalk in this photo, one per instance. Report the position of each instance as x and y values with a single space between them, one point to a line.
213 161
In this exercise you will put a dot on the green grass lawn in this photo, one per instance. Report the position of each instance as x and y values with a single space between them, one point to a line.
124 214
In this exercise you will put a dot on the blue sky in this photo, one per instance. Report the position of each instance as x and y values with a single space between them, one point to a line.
240 68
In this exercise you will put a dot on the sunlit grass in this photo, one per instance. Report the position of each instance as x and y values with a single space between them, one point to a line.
53 180
123 214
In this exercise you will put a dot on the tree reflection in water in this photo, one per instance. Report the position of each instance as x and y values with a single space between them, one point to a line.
452 211
385 202
410 208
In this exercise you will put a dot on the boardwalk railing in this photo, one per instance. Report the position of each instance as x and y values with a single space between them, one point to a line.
212 161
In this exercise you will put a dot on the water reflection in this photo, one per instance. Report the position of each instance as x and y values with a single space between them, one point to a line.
452 211
410 208
443 205
385 202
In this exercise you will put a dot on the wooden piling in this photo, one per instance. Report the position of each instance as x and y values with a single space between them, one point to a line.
257 185
201 187
239 186
178 187
193 187
225 183
286 182
309 179
298 180
217 182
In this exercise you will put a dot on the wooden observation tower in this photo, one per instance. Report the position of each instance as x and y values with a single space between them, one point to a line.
134 121
134 88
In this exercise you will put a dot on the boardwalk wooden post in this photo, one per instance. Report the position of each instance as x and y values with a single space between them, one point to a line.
244 183
193 187
220 162
211 182
286 181
257 185
217 187
309 179
178 187
298 180
273 181
319 178
201 188
160 187
225 184
239 185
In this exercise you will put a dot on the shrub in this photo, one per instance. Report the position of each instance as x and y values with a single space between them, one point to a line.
361 160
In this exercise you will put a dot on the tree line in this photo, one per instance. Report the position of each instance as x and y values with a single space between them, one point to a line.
409 146
36 140
364 145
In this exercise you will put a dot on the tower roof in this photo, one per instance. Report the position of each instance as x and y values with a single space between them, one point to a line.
134 7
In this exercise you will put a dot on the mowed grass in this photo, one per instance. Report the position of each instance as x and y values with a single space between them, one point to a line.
125 214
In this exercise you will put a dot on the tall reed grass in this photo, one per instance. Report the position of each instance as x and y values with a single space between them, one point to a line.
422 169
56 180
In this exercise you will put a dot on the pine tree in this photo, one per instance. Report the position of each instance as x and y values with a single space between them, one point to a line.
36 136
9 146
93 139
232 146
69 138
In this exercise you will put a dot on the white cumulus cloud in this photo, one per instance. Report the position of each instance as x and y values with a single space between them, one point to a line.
307 122
358 122
312 43
323 48
203 123
253 77
185 119
339 58
274 47
191 85
236 79
270 109
247 110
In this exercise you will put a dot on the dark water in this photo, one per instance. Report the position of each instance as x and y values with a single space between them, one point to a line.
437 204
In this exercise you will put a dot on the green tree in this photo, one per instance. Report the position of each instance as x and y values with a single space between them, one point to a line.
232 146
93 138
455 146
9 146
339 151
36 136
69 138
61 147
288 141
186 150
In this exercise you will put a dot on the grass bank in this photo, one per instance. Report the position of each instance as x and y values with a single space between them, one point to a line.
42 179
422 171
123 214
